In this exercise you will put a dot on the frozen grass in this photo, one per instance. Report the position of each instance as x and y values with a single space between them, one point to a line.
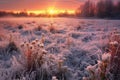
51 28
35 63
114 47
45 65
108 67
61 49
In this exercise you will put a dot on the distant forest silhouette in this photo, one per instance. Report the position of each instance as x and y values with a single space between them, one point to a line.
25 14
101 9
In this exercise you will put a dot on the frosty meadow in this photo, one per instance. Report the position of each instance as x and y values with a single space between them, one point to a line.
59 49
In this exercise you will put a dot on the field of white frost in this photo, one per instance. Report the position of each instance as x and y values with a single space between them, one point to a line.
56 48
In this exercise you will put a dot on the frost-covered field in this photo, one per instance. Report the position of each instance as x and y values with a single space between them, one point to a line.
77 42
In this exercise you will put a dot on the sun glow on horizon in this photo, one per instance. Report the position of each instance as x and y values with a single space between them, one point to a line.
37 12
52 11
49 11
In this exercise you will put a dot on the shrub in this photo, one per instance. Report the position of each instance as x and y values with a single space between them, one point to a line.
109 64
11 46
20 27
51 28
44 64
39 28
114 48
100 70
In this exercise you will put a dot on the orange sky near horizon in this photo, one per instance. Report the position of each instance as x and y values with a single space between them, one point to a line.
50 10
40 6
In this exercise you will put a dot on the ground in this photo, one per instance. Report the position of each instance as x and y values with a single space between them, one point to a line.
80 41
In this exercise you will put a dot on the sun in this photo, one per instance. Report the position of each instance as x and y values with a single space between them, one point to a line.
52 11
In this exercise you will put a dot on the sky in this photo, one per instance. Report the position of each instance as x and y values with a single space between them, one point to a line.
37 5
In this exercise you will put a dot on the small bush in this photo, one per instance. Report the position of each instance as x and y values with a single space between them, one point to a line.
108 67
79 27
11 46
51 28
100 70
114 48
43 64
20 27
39 28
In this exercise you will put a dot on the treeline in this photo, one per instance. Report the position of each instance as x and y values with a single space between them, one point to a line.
101 9
20 14
25 14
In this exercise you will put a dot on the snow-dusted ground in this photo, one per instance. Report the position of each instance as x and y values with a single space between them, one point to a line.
80 41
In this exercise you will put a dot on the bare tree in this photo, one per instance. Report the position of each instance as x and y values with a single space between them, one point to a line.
87 9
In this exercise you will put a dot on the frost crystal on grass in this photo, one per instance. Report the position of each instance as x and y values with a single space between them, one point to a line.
114 43
106 57
54 78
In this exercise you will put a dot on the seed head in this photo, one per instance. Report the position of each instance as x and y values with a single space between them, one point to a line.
41 45
84 78
22 45
44 51
106 57
36 40
27 44
54 78
99 63
33 42
91 68
114 43
31 47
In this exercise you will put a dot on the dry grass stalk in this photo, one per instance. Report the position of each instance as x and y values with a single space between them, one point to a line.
114 47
